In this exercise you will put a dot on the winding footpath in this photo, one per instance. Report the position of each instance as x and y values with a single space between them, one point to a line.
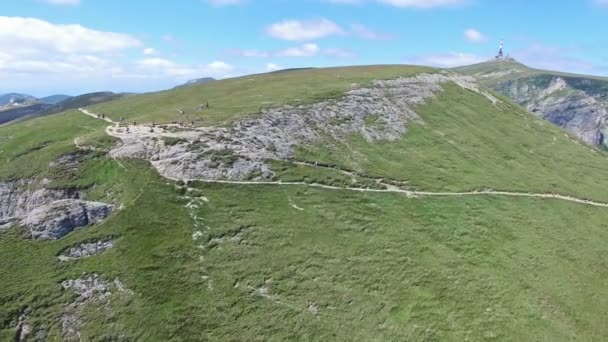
389 187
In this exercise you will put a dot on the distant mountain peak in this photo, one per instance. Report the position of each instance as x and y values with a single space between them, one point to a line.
196 81
15 99
54 99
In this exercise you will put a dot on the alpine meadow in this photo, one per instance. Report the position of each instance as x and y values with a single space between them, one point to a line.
300 179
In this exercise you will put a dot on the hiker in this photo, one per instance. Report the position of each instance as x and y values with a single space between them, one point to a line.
207 104
134 123
151 129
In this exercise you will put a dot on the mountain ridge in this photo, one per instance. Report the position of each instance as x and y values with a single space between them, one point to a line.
61 103
578 103
196 81
371 203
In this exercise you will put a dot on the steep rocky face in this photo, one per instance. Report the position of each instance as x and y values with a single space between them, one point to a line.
47 213
18 198
576 103
239 152
558 101
57 219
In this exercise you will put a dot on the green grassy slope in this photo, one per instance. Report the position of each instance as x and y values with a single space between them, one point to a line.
27 148
293 262
497 71
466 143
233 98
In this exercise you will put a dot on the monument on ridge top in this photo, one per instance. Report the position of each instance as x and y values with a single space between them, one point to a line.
501 54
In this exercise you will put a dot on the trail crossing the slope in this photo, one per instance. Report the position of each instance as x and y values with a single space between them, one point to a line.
389 188
96 116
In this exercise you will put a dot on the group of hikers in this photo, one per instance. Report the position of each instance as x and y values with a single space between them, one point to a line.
199 108
180 123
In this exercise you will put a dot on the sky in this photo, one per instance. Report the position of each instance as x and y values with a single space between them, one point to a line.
80 46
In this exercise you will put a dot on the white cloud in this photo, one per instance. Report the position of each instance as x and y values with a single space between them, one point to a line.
474 36
338 53
273 67
149 51
251 53
225 2
65 65
446 60
345 2
160 67
425 4
303 29
156 63
40 49
63 2
46 58
305 50
31 33
363 32
422 3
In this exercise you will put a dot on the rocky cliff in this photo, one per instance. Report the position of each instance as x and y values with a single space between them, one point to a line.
240 152
46 214
576 103
558 100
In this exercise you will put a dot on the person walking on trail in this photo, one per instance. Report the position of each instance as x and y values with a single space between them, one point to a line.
207 104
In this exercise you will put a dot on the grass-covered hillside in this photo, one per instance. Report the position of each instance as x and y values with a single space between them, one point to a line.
237 97
217 261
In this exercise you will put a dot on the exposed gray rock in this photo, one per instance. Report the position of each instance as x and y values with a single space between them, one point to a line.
22 329
379 112
70 327
18 198
57 219
578 111
46 213
86 250
93 287
88 289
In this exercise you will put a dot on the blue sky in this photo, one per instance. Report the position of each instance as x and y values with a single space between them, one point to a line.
79 46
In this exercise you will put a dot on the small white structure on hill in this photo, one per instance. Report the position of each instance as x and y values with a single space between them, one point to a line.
501 54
